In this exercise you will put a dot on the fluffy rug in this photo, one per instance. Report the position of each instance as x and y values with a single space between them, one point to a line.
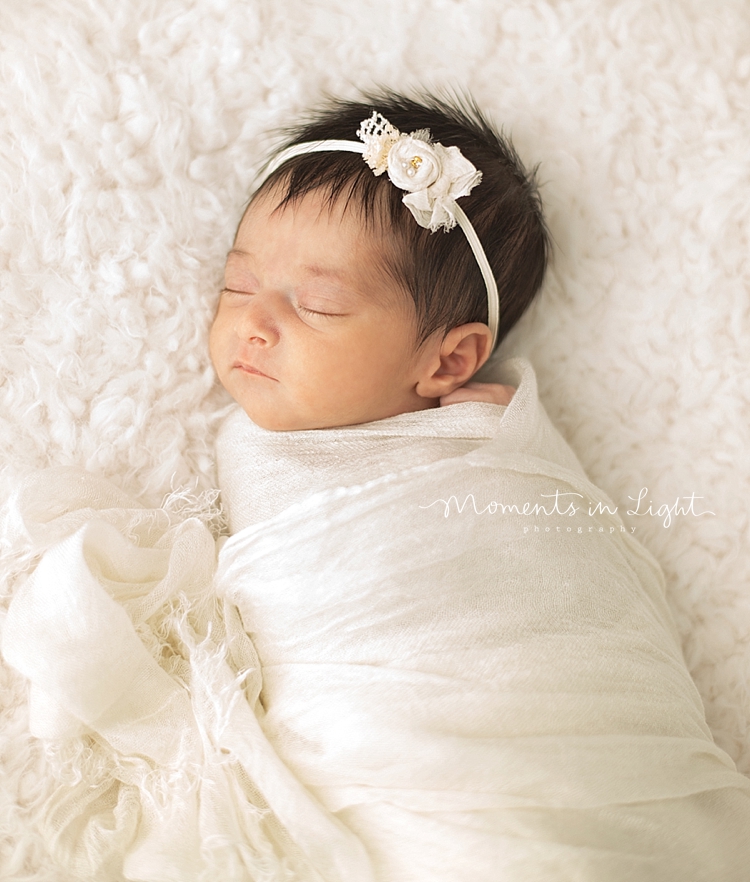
130 134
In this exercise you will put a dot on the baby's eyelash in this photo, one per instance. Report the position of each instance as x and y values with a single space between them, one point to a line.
315 312
299 307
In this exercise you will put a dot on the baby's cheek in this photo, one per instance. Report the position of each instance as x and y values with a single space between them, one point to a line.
216 337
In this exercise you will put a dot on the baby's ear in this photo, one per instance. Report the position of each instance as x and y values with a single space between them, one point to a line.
463 350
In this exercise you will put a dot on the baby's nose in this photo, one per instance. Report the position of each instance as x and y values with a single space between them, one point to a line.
257 322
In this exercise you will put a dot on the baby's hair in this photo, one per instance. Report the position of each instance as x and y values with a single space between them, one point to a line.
438 269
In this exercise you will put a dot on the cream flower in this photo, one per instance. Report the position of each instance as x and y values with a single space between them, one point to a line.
432 175
413 164
433 205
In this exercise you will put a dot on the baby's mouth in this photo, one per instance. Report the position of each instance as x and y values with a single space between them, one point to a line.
249 369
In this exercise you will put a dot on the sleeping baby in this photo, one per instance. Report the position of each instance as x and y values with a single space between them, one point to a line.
427 651
342 304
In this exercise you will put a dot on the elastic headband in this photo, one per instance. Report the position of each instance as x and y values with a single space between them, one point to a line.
433 176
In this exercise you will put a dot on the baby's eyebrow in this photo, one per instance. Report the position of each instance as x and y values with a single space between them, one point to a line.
326 272
313 269
344 282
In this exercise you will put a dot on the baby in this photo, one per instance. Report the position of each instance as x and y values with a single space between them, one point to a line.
342 305
474 698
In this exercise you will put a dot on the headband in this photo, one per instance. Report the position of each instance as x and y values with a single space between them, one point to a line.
433 176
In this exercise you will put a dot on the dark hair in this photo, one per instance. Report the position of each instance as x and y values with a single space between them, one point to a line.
438 269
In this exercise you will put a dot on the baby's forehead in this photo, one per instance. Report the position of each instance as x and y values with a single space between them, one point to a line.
330 239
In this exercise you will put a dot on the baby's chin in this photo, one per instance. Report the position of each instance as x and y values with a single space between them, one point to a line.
276 420
277 423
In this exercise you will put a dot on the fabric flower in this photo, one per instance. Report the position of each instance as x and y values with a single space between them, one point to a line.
433 205
433 176
413 164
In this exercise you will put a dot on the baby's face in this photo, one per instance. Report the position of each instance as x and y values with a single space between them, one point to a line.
310 331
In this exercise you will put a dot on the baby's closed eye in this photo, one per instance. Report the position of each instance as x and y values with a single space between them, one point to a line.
493 393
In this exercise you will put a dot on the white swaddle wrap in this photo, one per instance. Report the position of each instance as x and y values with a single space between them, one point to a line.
436 695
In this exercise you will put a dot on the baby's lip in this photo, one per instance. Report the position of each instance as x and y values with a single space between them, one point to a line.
249 369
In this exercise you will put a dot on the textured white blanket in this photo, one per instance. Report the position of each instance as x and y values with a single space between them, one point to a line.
437 694
130 134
